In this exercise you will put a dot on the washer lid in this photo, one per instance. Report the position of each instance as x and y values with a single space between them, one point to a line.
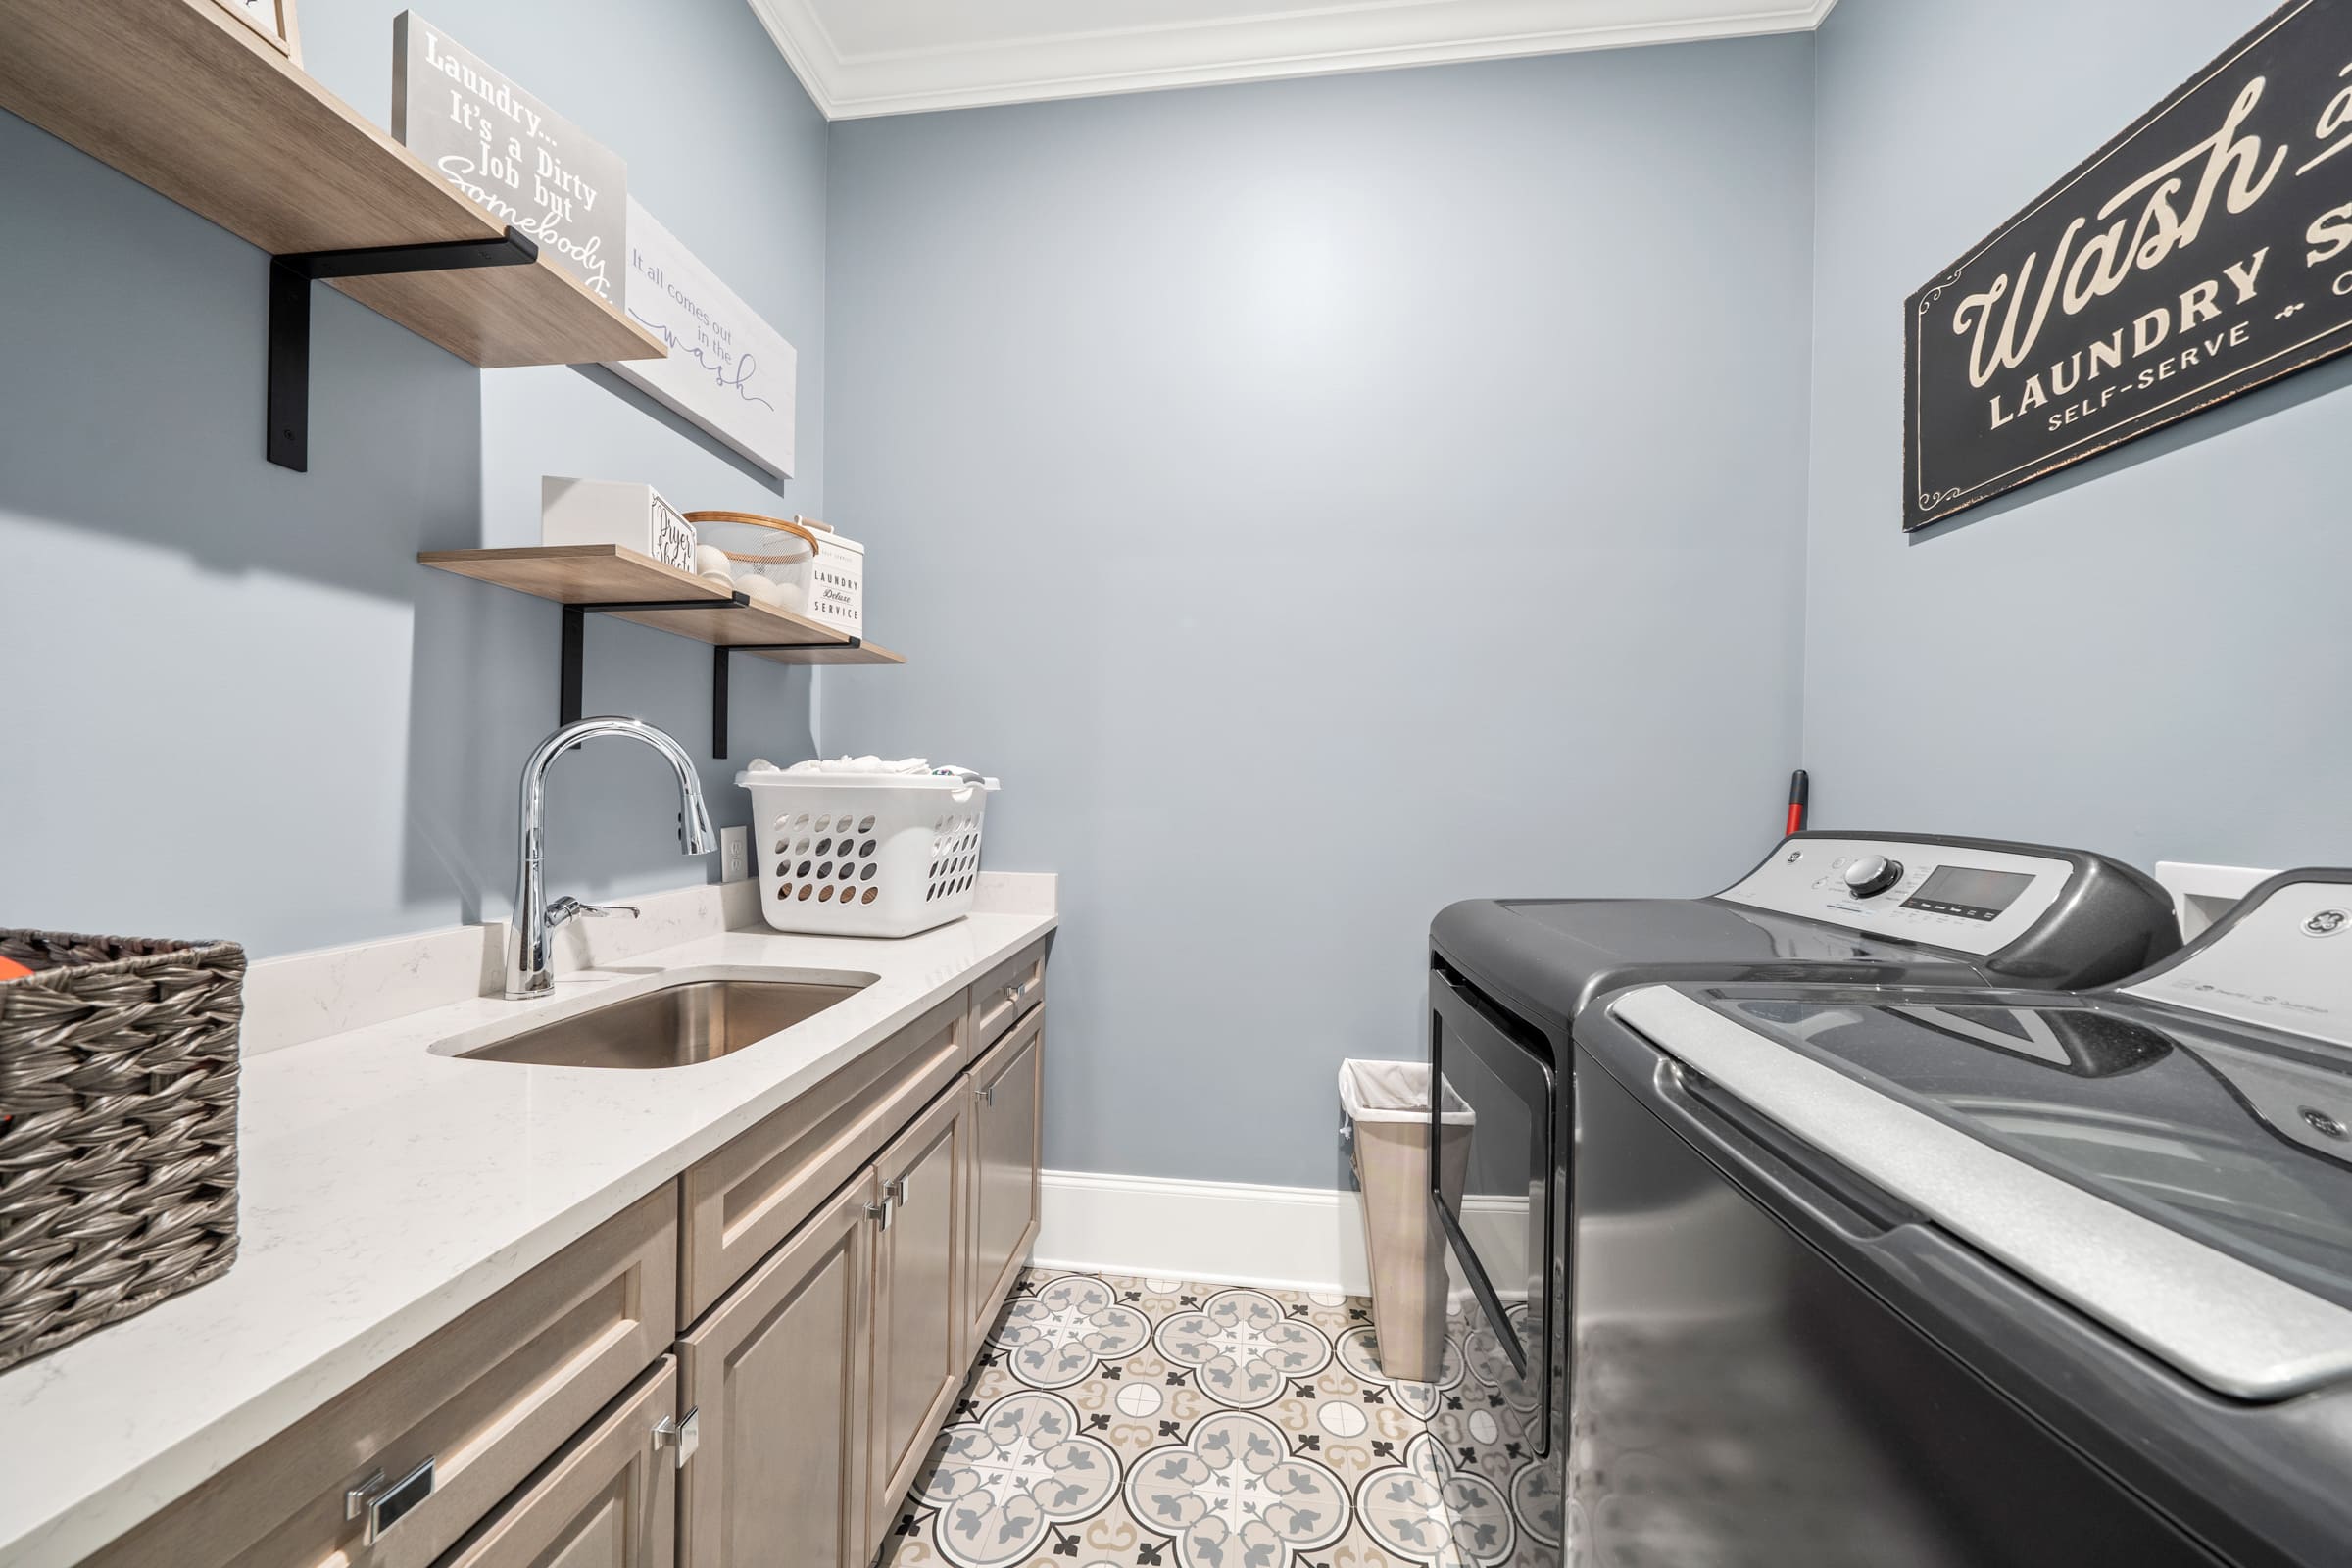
1548 958
2128 1168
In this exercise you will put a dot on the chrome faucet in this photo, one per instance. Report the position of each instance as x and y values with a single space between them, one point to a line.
535 919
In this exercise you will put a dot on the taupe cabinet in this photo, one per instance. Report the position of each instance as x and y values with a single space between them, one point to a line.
747 1366
609 1503
779 1377
1005 1125
918 1299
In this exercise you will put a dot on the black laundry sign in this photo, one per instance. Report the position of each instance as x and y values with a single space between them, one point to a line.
2203 252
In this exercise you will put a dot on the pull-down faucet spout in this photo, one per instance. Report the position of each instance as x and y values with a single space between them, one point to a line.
528 968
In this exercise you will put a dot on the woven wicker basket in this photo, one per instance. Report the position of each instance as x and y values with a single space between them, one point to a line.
118 1129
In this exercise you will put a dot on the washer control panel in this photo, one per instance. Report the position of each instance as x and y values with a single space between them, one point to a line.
1954 896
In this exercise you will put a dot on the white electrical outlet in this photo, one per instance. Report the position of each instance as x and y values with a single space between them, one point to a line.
734 853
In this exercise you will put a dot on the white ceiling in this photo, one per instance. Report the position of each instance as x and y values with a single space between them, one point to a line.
890 57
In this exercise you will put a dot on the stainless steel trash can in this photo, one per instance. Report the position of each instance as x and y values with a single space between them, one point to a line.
1389 1122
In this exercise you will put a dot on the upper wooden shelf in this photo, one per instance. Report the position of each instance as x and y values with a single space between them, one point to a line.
608 574
186 100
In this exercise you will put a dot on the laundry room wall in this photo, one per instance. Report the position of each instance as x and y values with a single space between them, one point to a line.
2142 654
236 706
1320 501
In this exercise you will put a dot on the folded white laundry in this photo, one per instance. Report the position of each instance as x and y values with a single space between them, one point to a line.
866 768
861 765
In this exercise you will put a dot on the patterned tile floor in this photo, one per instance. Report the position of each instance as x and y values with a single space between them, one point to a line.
1141 1422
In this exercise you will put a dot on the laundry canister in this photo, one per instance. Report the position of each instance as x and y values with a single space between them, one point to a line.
1387 1104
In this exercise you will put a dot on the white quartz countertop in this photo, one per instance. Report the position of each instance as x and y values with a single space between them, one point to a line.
387 1189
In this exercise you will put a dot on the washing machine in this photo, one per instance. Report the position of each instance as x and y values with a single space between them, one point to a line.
1510 982
1962 1278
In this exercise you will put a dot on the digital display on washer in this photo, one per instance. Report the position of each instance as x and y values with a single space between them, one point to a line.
1968 892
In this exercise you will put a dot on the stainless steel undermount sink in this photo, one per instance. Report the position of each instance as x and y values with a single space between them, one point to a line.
676 1026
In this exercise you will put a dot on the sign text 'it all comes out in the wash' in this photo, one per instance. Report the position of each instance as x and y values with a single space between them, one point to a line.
532 169
728 370
2205 250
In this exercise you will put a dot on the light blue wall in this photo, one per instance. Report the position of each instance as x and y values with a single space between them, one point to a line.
1320 501
233 704
2145 655
1317 500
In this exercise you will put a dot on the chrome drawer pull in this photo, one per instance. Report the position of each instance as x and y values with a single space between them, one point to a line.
896 1192
879 1213
1014 992
686 1434
387 1505
988 1093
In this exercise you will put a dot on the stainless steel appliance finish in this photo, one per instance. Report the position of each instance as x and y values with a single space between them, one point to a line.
1753 1399
2088 1276
534 920
2218 1317
675 1026
1510 980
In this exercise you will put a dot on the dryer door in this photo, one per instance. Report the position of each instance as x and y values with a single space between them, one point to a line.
1501 1227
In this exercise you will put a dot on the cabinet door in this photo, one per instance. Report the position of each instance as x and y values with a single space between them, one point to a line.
777 1376
1006 1154
918 1299
610 1500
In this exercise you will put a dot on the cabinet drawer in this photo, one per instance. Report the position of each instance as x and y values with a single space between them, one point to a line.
485 1402
1004 993
608 1501
751 1195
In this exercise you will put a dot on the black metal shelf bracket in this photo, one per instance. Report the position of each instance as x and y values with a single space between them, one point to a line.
718 681
575 641
290 280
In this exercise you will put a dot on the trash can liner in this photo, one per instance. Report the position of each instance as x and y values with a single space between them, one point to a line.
1395 1091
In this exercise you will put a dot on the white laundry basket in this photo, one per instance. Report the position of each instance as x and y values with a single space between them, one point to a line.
865 855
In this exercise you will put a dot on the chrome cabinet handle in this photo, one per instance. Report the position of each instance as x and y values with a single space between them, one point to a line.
880 1212
896 1192
387 1505
988 1093
1013 993
685 1435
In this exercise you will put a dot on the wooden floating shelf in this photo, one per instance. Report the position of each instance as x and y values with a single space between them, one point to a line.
190 103
608 581
608 574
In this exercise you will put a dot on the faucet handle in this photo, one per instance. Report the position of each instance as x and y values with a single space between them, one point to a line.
570 908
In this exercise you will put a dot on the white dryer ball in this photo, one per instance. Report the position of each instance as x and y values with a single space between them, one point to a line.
762 590
711 561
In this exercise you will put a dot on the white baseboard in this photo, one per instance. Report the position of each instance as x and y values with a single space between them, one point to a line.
1692 1256
1218 1233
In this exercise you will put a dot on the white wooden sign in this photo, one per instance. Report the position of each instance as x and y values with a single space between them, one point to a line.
527 165
728 370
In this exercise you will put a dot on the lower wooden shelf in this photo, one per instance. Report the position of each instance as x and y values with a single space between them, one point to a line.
608 581
611 580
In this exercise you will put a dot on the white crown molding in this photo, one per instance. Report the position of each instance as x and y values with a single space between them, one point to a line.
1369 36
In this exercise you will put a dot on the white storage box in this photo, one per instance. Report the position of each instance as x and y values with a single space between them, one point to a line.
614 511
837 586
865 855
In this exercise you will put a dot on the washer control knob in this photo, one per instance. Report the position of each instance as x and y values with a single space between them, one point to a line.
1872 874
